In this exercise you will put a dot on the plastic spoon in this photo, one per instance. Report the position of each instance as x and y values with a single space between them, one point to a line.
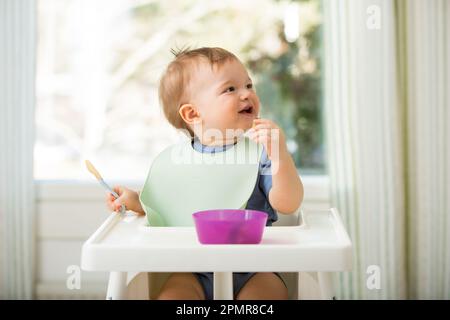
97 175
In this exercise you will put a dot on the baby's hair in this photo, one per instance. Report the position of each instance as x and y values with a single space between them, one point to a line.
178 51
173 86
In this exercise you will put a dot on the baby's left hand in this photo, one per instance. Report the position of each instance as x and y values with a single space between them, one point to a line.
271 136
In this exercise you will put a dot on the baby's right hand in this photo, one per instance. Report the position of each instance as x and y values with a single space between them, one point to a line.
127 197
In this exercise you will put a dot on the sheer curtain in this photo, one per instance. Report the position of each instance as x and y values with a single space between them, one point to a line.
386 109
427 100
17 69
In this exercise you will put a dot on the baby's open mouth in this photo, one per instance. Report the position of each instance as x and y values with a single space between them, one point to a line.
247 109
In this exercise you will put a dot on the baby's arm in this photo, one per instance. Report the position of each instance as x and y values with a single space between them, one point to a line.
127 197
286 193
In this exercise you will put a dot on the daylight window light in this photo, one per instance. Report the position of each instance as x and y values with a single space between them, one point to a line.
291 22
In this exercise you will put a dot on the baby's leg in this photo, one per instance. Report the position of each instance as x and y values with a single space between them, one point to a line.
182 286
263 286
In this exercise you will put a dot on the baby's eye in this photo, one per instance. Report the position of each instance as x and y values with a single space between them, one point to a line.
230 89
250 86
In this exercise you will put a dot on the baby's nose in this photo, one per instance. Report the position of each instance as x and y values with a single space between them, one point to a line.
244 94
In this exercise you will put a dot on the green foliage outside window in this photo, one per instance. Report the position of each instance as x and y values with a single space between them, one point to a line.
293 93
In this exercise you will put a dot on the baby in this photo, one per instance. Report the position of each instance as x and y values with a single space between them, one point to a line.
209 89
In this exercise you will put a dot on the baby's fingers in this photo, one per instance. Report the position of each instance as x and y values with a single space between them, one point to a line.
264 128
118 190
117 204
263 121
253 133
112 202
111 206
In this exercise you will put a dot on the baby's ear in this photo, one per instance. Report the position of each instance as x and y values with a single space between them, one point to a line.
189 113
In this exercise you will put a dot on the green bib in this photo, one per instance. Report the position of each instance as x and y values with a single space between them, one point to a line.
183 180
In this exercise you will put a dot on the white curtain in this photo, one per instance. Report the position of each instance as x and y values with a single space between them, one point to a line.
427 80
386 109
17 71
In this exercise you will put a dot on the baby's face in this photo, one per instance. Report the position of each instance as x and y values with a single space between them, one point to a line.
224 96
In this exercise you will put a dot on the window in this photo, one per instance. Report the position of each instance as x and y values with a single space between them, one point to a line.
99 63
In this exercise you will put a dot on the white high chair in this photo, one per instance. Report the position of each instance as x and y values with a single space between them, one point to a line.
317 245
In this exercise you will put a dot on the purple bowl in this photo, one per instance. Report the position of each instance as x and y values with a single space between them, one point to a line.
228 226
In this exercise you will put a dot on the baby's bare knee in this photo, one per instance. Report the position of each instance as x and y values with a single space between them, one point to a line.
264 286
273 294
182 286
178 294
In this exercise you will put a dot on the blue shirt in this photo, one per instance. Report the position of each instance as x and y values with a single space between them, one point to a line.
259 200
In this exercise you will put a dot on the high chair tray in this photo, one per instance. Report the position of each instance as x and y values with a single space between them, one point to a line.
126 243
